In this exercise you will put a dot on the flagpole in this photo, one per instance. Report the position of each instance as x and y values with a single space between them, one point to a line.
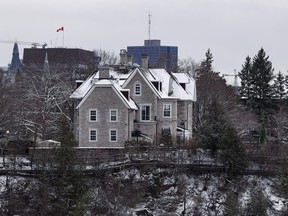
61 29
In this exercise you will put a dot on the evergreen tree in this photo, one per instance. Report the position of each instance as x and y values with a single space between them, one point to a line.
245 76
258 204
233 153
70 188
217 133
231 205
279 91
206 64
261 76
213 127
66 154
261 90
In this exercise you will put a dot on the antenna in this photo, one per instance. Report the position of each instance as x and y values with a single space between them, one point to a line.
149 15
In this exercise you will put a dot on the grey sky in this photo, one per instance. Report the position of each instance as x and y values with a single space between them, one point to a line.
232 29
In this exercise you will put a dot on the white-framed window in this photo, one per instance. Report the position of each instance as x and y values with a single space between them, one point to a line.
93 135
167 108
113 135
93 115
145 112
113 115
137 89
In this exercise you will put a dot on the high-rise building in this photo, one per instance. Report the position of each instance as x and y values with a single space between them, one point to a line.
159 56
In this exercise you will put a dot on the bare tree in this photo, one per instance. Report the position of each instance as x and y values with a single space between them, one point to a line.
188 66
107 57
42 96
280 126
210 86
6 90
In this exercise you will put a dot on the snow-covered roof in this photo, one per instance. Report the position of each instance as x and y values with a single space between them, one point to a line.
93 82
115 86
146 75
172 85
171 88
182 77
83 89
190 85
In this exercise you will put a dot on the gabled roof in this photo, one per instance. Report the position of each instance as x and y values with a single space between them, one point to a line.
172 85
190 85
145 77
171 88
83 89
130 104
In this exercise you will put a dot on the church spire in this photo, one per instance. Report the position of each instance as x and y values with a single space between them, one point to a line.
15 63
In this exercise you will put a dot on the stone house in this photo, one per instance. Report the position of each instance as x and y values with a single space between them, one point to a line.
110 106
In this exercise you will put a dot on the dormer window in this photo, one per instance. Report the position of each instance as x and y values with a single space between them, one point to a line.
157 85
183 85
126 93
137 89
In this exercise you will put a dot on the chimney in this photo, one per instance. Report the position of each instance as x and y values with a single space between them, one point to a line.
104 72
144 61
129 59
170 89
123 57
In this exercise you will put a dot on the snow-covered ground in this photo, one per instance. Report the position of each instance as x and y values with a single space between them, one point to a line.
170 192
149 190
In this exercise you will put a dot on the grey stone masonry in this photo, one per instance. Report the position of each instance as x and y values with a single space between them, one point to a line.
104 72
103 100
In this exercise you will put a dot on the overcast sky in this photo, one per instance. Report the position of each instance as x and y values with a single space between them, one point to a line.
232 29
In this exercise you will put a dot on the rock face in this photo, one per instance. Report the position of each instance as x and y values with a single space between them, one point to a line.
148 191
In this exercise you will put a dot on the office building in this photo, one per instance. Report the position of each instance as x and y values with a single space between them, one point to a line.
159 56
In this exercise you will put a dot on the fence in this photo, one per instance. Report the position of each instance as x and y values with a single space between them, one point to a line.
262 158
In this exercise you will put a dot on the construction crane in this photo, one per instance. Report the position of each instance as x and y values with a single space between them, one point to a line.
33 44
235 77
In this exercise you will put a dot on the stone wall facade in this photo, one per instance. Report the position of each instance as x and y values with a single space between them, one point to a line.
103 99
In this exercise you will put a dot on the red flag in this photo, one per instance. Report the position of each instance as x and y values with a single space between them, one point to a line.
60 29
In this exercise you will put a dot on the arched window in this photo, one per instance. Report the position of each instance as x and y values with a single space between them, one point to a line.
137 89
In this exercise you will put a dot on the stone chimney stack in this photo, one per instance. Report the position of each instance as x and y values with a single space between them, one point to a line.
130 59
123 57
144 61
104 72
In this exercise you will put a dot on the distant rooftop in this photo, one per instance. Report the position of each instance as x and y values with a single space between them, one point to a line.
152 42
59 56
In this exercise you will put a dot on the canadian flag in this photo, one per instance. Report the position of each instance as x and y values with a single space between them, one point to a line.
60 29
